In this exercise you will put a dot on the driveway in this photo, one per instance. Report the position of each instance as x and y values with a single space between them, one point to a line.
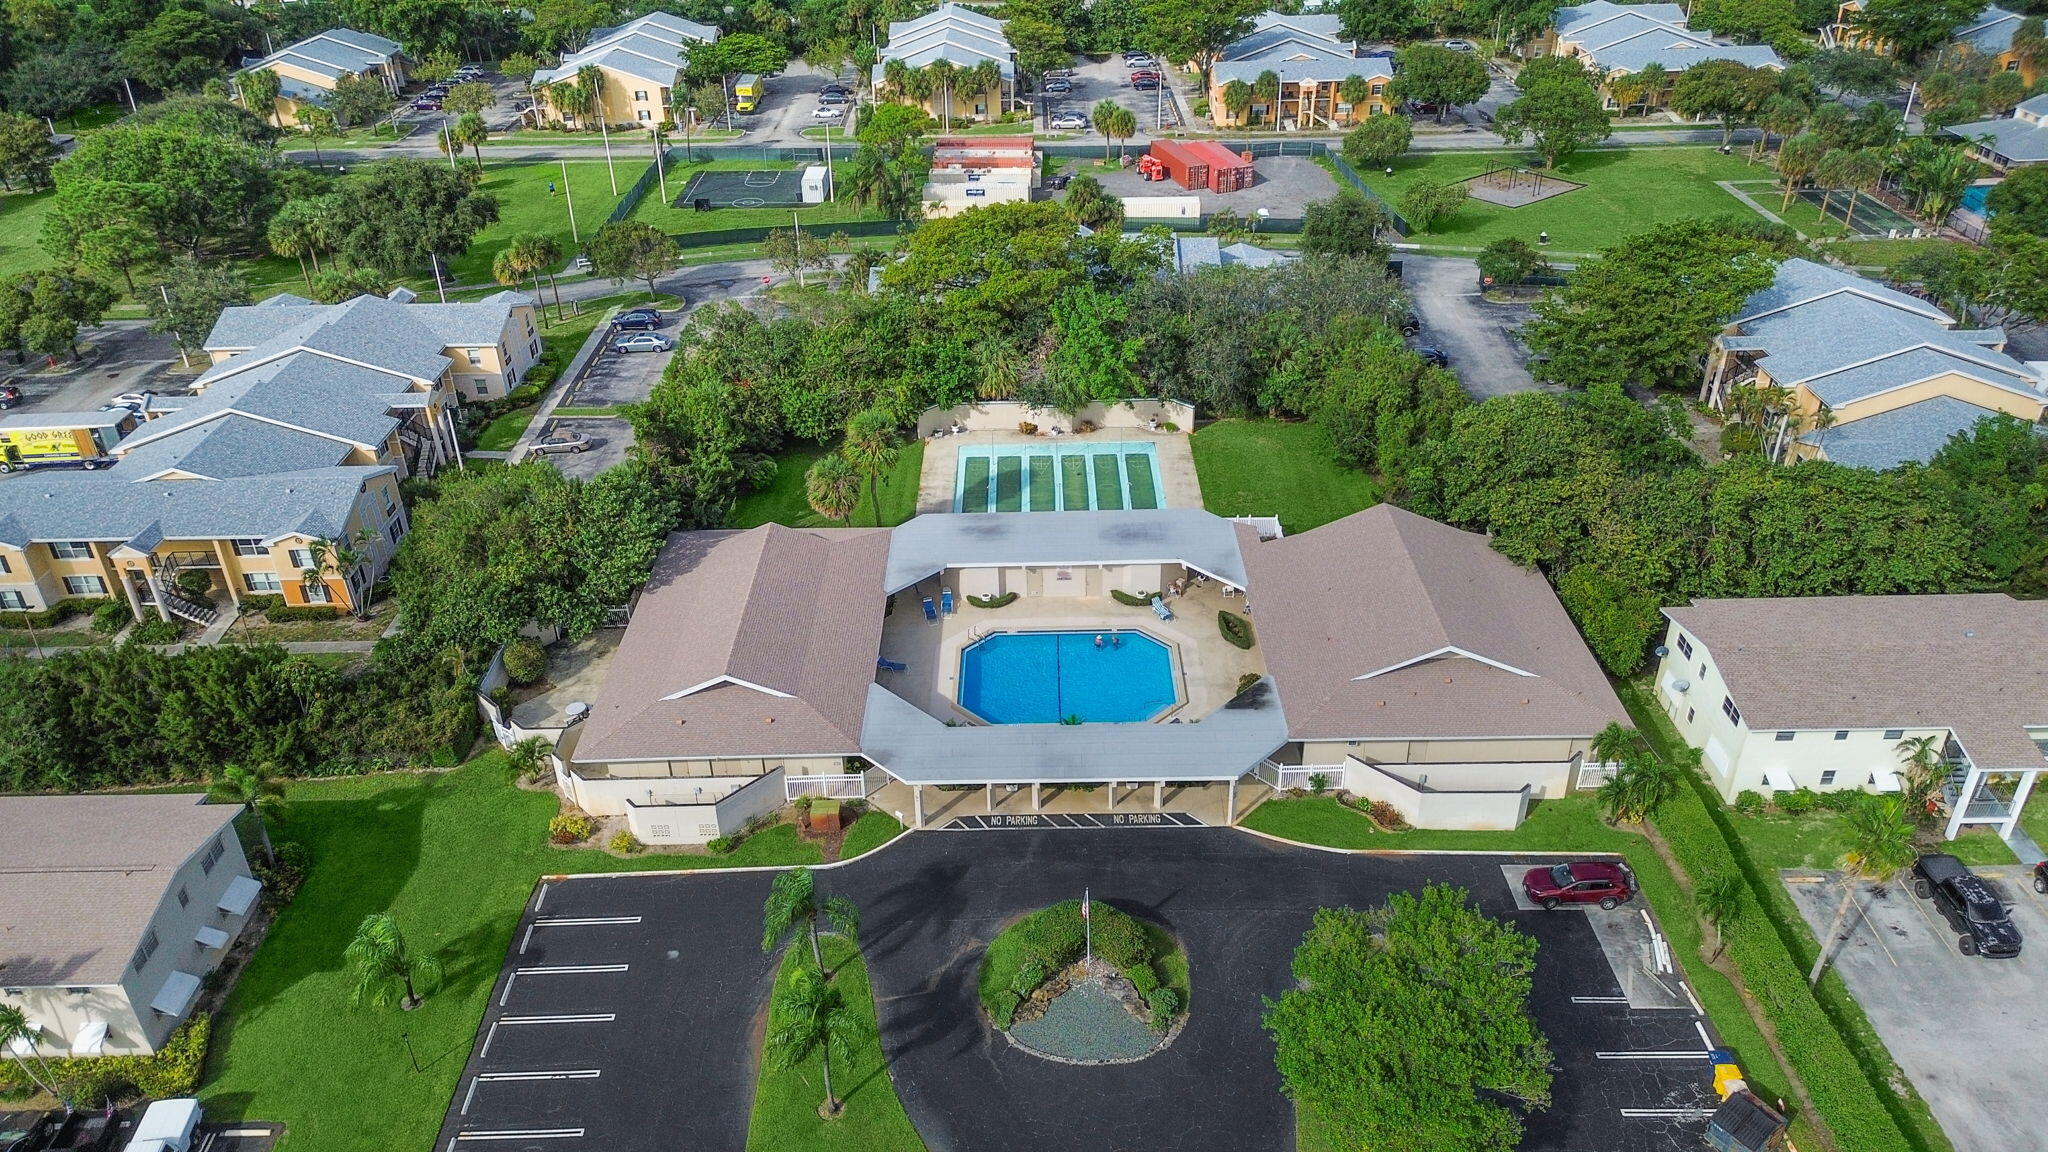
1478 337
1972 1034
120 356
628 1011
609 438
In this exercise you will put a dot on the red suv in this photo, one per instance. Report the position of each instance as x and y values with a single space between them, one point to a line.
1580 882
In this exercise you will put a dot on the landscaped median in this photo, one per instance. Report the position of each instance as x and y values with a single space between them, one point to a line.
786 1114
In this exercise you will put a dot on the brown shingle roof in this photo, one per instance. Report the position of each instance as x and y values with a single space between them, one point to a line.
777 630
1447 623
1974 664
81 876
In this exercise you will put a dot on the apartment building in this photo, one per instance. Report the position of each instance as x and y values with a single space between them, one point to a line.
1313 60
2015 141
639 65
1865 375
310 69
1988 34
1621 40
113 910
984 80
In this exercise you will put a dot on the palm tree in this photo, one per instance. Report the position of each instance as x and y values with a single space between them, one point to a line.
1859 171
590 82
385 969
793 902
871 448
1237 100
1641 785
1123 124
832 487
469 130
316 122
1798 157
1718 896
286 234
19 1038
1104 115
259 92
984 78
810 1015
941 73
896 75
524 259
1614 743
1267 88
1880 843
1924 770
256 788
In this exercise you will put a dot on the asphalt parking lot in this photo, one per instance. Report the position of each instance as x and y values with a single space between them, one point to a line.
120 356
1480 338
1971 1033
620 377
628 1012
1283 185
1110 79
609 438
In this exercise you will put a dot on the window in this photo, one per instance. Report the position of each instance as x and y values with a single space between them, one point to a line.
394 531
643 115
318 594
1783 736
642 97
145 950
1841 734
301 558
1895 733
70 550
261 582
1728 709
4 567
184 898
212 855
476 356
1703 671
13 601
85 586
1684 646
483 387
1827 777
1378 88
534 347
1690 713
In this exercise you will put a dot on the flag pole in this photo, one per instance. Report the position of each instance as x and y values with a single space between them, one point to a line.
1087 929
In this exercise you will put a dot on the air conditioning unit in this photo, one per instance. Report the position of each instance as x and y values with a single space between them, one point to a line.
1660 651
1681 685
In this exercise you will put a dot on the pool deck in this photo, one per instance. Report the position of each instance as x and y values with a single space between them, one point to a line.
1178 487
1209 666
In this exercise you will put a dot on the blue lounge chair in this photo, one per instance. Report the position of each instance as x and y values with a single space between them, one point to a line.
1160 609
946 601
931 613
890 665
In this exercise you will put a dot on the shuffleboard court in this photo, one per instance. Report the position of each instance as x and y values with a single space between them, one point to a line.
1009 484
1042 484
1109 487
1138 470
974 484
1074 483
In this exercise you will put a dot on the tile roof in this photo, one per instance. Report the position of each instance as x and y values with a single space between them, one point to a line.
770 635
1912 433
1975 664
116 505
83 875
1390 625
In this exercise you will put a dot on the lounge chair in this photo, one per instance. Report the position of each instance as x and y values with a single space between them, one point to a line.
1160 609
890 665
931 611
946 601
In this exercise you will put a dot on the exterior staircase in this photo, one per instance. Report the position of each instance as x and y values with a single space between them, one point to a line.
198 613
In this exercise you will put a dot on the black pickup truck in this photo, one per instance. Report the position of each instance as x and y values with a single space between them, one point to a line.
1972 909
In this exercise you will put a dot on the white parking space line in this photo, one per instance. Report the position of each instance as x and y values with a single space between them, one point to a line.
1599 999
520 1134
481 1078
587 1018
1701 1055
547 970
1667 1113
570 921
1705 1042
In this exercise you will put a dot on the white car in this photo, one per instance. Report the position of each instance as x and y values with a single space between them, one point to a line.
1070 122
643 342
828 112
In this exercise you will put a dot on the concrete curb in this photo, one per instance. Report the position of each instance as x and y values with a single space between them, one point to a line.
868 855
564 384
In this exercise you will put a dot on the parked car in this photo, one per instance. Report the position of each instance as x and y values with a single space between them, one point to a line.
1141 62
829 112
2041 877
835 88
1982 925
1431 354
424 105
9 395
1059 84
1051 72
166 1126
834 98
1056 183
1601 882
1145 85
1461 46
1145 74
26 1131
643 342
561 443
636 321
1070 122
1135 53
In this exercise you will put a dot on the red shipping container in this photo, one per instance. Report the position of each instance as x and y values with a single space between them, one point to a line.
1181 165
1227 171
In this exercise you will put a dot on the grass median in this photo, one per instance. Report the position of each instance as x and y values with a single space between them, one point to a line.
786 1100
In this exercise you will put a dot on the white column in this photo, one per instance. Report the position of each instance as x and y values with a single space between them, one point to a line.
991 789
917 803
156 591
134 600
1036 804
454 442
1971 780
2019 799
1112 795
1230 804
1159 795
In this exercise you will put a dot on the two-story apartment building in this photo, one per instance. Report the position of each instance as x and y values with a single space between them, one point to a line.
1875 377
113 910
1820 692
1620 40
1988 34
963 37
2015 141
310 69
1312 59
639 64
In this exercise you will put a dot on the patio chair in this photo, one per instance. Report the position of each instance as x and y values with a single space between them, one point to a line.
1160 609
931 611
946 601
891 665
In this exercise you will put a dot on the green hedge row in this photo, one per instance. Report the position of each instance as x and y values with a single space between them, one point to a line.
1846 1098
992 601
1036 948
56 613
89 1080
1132 599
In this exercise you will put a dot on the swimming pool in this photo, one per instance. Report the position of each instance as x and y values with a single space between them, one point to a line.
1974 198
1065 477
1051 677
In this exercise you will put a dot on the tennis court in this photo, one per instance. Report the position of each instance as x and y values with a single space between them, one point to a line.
1871 218
1031 478
753 188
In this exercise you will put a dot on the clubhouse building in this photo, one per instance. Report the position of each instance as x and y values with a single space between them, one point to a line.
1009 665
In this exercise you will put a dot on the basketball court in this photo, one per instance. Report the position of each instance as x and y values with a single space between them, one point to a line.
1515 187
752 188
1871 217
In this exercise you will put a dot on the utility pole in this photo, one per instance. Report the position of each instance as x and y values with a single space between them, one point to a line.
440 287
606 132
831 188
798 225
130 89
570 198
182 355
660 169
449 138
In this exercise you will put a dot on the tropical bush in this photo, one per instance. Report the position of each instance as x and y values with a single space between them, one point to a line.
1749 802
1236 629
571 828
158 632
992 601
625 843
1041 945
172 1072
1797 802
292 613
1133 599
525 662
111 616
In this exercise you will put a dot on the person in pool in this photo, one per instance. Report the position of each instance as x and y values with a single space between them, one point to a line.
1098 639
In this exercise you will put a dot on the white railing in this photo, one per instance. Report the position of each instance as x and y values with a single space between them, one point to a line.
838 786
1592 776
1281 777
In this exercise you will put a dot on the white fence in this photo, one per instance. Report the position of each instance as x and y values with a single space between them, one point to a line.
1281 777
1007 414
840 786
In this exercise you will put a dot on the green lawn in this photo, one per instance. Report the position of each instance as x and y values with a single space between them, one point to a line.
1818 839
873 829
1571 824
786 1100
782 501
454 856
1269 468
524 205
665 216
1626 190
1885 253
501 434
21 231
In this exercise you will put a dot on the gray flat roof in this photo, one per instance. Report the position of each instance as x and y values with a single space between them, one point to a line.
930 544
1223 745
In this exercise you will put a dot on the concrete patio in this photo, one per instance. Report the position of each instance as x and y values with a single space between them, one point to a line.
575 672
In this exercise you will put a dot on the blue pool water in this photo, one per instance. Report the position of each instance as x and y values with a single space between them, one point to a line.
1974 196
1046 677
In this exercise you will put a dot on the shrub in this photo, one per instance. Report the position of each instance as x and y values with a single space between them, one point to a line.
1386 816
992 601
111 617
1083 427
1119 938
291 613
720 845
56 613
624 843
1165 1005
1842 799
1245 682
529 759
262 603
158 632
525 662
524 394
571 828
1144 979
172 1072
194 584
1318 782
1749 802
1002 1007
1027 428
1027 980
1797 802
1133 599
281 881
1236 629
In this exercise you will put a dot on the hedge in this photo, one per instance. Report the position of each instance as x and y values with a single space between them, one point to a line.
992 601
56 613
1835 1079
172 1072
1049 940
1236 629
1133 599
287 613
